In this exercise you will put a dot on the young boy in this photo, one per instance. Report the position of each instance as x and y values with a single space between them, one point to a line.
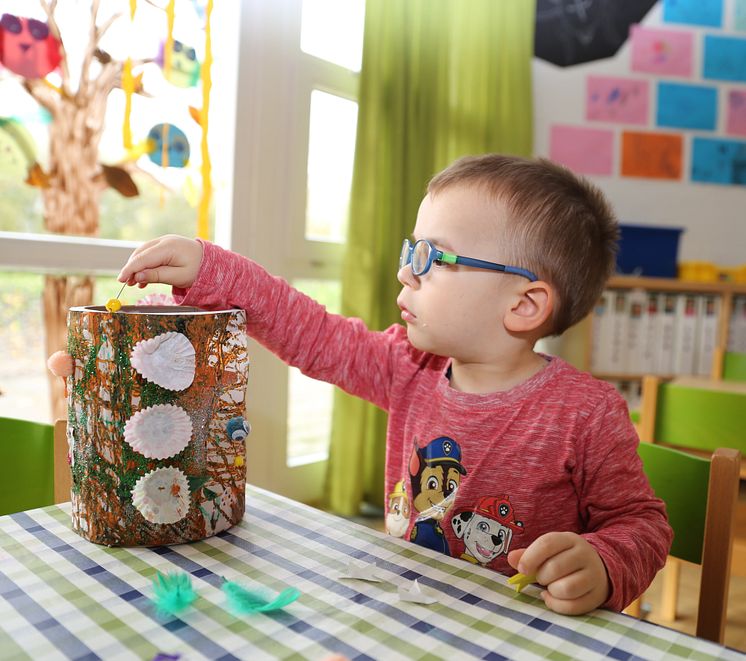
495 453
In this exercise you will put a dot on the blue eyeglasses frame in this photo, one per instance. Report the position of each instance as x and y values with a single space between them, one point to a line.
435 255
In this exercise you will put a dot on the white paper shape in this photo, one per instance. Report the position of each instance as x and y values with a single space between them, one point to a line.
162 495
362 571
167 359
414 592
159 431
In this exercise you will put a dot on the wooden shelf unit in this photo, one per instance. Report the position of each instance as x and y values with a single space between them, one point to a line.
725 290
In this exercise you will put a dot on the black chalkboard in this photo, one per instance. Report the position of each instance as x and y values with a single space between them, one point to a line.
572 31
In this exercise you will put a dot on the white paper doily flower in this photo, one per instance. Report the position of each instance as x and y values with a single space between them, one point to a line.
159 431
162 495
166 359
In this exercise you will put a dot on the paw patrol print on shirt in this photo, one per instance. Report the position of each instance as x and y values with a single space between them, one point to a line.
486 530
397 512
435 473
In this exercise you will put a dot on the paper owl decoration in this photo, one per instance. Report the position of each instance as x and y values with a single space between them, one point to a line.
169 146
27 47
184 67
153 392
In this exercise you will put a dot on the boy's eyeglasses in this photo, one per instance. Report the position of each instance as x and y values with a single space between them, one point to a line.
421 254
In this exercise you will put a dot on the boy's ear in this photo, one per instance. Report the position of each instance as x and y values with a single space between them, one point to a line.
531 307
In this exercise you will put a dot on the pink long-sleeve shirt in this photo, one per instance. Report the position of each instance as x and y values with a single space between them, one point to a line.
472 475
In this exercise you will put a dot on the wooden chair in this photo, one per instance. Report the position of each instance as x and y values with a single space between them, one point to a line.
728 366
700 496
62 476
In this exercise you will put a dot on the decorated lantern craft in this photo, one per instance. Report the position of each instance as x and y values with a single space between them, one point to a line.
155 423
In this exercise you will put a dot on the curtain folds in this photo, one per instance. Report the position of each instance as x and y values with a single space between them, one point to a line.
440 79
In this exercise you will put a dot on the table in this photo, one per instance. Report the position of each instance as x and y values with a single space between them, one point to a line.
64 597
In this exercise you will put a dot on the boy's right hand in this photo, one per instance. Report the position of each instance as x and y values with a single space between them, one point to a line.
171 259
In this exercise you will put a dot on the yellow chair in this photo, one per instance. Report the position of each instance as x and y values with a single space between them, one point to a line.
700 496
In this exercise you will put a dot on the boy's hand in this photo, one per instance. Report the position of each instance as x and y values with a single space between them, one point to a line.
171 260
572 571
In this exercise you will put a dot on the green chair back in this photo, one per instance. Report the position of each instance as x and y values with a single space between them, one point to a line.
680 480
734 366
26 465
700 419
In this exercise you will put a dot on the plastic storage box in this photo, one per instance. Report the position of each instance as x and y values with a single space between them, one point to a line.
648 250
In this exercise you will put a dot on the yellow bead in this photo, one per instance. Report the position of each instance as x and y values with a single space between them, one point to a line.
238 461
113 304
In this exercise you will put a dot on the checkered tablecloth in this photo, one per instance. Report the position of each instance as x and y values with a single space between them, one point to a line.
64 597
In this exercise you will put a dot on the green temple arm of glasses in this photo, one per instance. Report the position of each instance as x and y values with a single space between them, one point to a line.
448 258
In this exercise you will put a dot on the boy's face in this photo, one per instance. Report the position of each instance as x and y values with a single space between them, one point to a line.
455 310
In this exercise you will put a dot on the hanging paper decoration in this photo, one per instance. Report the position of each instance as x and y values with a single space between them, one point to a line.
204 204
183 69
17 150
27 47
168 146
152 463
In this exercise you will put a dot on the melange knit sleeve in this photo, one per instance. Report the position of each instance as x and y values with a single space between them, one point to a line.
300 331
626 523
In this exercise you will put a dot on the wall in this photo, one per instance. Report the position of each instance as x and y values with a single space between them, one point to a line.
713 215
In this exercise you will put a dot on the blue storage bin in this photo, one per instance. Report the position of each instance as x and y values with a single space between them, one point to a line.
648 250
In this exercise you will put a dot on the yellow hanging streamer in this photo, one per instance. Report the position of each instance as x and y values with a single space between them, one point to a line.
203 212
169 47
128 86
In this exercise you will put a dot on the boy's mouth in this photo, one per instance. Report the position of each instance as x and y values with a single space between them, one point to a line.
406 315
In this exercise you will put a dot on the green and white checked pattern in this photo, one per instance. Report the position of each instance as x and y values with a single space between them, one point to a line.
64 597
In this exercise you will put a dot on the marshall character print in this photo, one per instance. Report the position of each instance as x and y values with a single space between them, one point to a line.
487 529
435 473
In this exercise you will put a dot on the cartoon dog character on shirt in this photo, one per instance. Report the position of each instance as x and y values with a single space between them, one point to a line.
435 473
487 530
397 515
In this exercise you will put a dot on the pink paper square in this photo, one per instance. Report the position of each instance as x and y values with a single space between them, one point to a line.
617 100
665 52
736 112
583 150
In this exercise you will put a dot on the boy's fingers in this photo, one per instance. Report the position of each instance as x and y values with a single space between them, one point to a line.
543 548
515 556
164 274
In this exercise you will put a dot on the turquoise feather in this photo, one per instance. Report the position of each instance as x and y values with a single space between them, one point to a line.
244 602
173 592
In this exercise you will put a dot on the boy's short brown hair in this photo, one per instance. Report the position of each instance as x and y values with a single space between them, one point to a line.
558 225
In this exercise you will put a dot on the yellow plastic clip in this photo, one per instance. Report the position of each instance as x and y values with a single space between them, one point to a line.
520 581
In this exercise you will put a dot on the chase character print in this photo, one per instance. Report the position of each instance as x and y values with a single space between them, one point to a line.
435 473
487 530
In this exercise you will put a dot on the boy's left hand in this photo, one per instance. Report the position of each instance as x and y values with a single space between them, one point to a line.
572 571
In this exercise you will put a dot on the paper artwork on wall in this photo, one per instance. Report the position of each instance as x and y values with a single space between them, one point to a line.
719 161
617 100
708 13
687 106
665 52
739 15
724 58
583 150
736 112
651 155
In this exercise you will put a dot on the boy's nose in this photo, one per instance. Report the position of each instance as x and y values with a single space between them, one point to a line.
406 277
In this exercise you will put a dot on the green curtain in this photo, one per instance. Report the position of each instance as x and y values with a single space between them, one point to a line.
440 79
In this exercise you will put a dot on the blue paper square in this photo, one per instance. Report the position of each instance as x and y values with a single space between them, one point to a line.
719 161
725 58
687 106
694 12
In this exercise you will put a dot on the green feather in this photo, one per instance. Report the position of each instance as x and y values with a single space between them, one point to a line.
173 592
243 601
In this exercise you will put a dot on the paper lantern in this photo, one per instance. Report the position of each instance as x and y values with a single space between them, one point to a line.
154 403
